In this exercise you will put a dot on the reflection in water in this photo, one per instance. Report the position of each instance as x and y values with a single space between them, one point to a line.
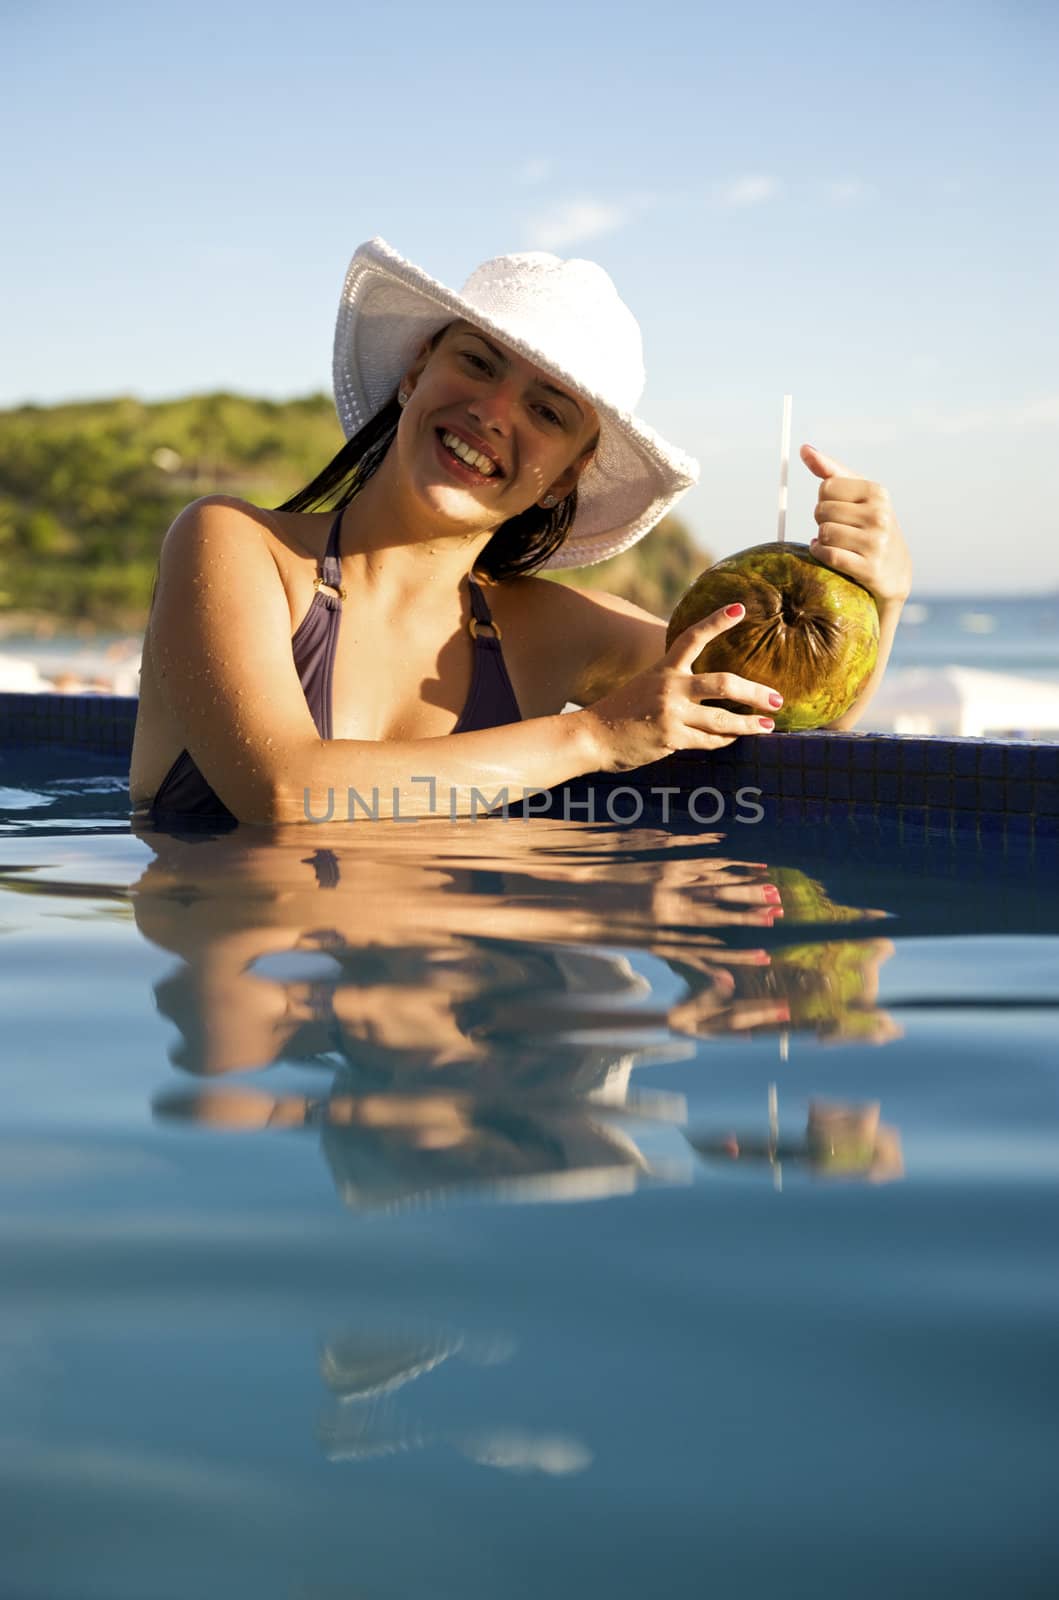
841 1141
478 1013
366 1369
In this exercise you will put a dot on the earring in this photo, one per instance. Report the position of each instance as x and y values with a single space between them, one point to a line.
403 397
549 501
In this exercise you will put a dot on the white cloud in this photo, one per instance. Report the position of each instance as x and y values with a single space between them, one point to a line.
750 191
573 221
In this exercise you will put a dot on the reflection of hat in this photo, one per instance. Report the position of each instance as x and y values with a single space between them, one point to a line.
360 1366
534 1153
564 316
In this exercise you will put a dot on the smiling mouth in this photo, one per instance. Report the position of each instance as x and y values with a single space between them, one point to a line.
464 455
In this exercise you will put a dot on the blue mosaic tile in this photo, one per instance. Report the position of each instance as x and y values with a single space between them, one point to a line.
814 811
913 818
768 750
990 794
992 759
939 791
790 749
813 753
789 810
887 755
1046 799
814 782
1018 797
863 786
838 785
913 791
965 794
1046 763
914 756
1020 762
965 759
887 788
836 752
991 822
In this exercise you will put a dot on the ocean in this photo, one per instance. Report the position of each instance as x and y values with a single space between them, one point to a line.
1016 634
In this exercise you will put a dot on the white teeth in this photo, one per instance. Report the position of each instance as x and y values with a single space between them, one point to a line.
473 458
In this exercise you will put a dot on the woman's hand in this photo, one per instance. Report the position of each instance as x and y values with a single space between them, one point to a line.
858 534
661 710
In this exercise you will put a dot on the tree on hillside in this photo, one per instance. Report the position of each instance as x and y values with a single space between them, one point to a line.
87 491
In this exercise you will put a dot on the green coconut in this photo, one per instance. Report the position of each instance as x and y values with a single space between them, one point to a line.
809 631
823 984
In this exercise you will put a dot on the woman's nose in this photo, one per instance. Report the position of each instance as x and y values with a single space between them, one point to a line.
493 408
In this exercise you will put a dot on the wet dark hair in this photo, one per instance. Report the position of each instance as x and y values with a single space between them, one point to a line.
519 546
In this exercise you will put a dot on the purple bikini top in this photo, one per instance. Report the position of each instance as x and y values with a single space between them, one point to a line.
184 793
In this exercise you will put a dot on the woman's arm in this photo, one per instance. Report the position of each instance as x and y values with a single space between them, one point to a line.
889 617
220 645
605 640
858 535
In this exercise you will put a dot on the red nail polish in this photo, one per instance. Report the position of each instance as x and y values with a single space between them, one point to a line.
733 610
775 699
771 893
766 722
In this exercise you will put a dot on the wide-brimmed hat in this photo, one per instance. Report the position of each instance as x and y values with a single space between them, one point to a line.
564 316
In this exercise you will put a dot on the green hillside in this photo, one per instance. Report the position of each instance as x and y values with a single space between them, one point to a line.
88 490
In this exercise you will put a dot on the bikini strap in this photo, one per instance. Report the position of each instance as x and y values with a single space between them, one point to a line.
331 566
481 615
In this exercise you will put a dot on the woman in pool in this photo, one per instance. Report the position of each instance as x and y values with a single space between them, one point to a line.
399 644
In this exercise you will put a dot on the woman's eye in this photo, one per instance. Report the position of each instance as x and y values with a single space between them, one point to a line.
549 415
469 355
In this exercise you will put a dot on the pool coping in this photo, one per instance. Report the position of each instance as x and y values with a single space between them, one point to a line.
995 785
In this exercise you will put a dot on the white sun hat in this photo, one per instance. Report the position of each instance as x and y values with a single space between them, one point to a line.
565 317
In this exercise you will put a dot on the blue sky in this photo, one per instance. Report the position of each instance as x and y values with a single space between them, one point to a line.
853 204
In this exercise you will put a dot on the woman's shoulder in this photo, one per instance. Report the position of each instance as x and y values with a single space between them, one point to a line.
234 519
220 509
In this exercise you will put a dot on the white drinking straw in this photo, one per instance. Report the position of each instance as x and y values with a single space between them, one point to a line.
785 460
774 1138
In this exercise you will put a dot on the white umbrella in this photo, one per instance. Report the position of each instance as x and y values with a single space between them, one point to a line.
962 702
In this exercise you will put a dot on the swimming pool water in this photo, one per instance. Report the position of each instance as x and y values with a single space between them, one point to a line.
455 1211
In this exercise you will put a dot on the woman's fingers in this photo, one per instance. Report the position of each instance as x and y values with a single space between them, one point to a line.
848 513
727 724
730 686
850 562
687 645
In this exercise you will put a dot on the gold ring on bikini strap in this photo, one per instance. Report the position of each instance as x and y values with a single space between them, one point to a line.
328 588
474 625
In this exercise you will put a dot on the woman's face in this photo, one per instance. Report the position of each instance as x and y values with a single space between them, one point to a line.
487 434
